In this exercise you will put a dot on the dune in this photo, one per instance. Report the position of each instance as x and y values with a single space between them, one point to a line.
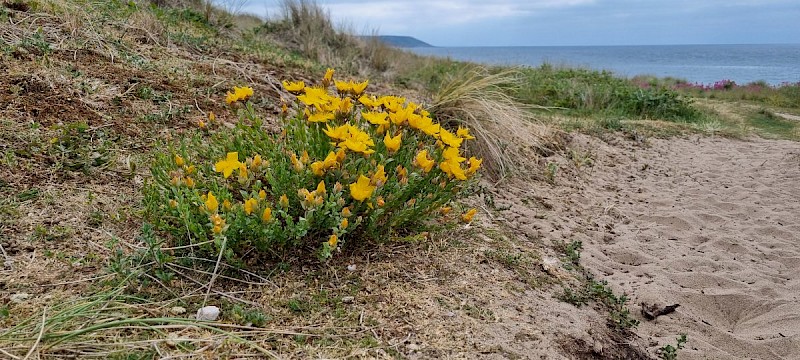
708 223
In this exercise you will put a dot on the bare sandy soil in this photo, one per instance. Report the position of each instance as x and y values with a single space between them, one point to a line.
711 224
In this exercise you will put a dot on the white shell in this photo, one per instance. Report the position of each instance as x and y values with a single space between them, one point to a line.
208 313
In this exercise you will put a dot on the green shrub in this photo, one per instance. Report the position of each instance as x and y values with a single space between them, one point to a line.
339 171
588 91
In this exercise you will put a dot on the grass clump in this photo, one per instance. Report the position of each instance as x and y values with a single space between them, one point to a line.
771 125
585 92
345 167
475 97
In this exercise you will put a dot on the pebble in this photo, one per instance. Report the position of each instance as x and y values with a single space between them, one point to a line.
19 297
208 313
351 267
177 310
348 299
450 314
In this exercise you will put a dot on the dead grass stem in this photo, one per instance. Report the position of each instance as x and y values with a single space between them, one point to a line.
479 99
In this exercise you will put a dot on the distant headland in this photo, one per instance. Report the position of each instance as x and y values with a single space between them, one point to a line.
400 41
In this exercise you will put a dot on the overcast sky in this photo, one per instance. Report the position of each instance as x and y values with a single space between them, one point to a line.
565 22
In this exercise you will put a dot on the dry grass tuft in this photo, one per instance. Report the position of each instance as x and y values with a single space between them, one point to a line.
503 127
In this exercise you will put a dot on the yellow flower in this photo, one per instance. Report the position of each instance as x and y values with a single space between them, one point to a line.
189 182
211 116
333 240
257 161
344 223
330 161
239 94
337 133
351 138
314 96
319 116
262 194
358 88
328 76
453 169
392 103
179 160
318 168
242 172
375 118
464 133
250 205
304 157
340 156
218 222
343 86
401 116
379 178
345 105
201 124
226 205
449 139
423 161
346 212
369 101
467 217
392 143
361 189
474 165
284 201
294 87
452 154
380 201
266 216
321 188
173 203
227 166
295 162
211 203
190 169
445 210
401 171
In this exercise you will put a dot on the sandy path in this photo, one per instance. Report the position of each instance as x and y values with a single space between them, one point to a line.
710 224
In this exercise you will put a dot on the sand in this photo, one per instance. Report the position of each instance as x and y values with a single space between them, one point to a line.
711 224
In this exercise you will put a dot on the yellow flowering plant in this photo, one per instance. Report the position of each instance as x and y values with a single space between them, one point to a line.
345 166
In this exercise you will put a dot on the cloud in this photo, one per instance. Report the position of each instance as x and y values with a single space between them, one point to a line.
565 22
406 15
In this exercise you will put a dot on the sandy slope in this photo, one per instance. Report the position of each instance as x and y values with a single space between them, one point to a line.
711 224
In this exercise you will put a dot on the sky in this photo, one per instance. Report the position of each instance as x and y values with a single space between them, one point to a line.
564 22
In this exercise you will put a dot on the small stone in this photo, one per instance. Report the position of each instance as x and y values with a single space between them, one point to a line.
552 266
348 299
8 264
450 314
19 297
351 267
177 310
208 313
173 339
413 347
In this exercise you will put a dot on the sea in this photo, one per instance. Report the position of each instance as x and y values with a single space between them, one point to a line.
775 64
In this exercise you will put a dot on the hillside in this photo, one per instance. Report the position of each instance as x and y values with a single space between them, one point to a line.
158 159
400 41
